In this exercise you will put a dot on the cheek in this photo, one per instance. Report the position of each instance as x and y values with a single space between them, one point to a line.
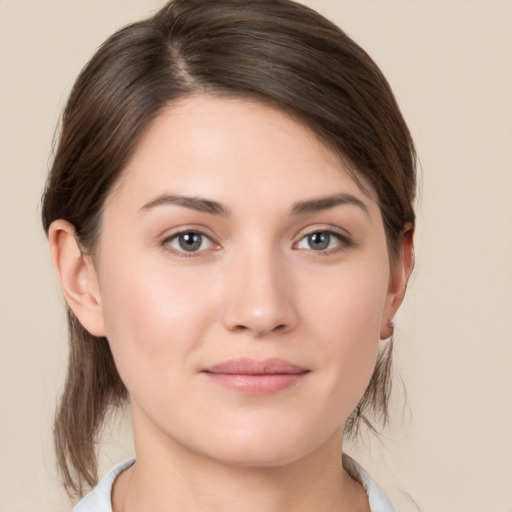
346 316
350 303
154 318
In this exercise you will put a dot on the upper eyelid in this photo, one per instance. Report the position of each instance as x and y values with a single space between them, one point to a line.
335 230
328 231
185 232
200 230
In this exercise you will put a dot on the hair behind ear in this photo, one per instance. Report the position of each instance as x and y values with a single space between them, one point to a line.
375 400
92 386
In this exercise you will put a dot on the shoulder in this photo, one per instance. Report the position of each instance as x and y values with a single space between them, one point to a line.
379 502
98 500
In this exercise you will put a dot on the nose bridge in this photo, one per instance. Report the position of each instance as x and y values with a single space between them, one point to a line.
260 296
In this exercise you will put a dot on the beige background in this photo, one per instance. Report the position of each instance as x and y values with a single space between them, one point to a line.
450 64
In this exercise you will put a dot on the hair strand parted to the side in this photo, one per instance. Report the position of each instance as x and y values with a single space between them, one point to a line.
92 386
274 51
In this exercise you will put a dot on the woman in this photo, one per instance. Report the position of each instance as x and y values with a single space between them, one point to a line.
230 217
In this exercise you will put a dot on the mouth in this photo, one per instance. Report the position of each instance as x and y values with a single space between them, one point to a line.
255 377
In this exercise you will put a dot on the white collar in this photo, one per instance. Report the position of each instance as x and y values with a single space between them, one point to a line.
99 499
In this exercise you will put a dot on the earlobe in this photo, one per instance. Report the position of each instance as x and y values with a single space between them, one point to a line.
400 274
387 329
77 277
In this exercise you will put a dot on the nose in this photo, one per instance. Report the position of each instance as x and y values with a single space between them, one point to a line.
260 297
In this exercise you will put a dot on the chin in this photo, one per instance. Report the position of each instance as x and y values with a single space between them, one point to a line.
256 458
265 448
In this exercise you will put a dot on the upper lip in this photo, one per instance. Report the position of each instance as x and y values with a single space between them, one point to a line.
248 366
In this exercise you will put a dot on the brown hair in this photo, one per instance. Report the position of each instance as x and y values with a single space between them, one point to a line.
275 51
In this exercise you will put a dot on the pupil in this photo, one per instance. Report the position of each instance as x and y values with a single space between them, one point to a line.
319 241
190 241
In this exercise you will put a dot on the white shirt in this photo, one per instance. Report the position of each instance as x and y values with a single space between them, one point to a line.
99 499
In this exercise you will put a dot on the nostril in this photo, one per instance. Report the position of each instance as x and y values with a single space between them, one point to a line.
259 331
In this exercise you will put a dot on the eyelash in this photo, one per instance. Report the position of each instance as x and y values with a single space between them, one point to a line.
182 253
342 243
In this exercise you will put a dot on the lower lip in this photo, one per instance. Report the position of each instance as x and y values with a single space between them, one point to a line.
257 384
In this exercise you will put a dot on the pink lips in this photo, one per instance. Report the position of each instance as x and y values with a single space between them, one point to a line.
256 377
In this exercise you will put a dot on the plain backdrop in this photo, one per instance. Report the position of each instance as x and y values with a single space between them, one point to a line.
450 65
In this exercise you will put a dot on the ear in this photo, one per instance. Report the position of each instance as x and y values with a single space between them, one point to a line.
400 272
77 277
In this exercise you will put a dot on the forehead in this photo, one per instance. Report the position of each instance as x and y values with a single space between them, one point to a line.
228 147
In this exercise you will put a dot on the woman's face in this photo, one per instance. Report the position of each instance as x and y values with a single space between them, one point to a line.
244 283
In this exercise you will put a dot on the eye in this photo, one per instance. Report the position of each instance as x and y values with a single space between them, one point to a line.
188 241
321 241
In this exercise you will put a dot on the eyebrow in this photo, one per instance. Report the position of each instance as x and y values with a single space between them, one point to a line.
192 202
324 203
214 208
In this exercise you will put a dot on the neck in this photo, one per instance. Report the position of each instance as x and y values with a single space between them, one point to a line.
171 478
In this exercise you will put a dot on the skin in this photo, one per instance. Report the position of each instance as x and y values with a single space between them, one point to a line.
257 286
